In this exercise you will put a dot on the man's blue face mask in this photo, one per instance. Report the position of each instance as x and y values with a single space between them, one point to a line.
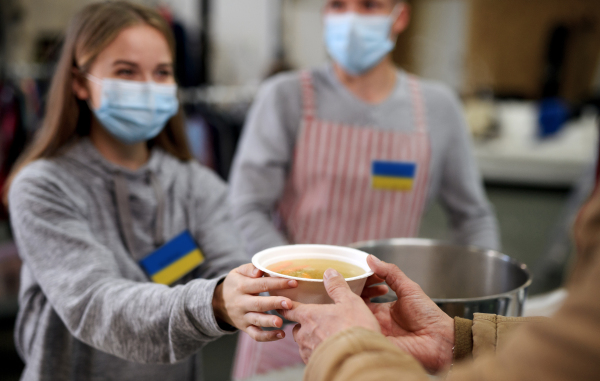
358 42
135 111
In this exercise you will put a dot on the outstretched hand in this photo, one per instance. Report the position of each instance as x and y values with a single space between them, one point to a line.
319 321
414 323
236 301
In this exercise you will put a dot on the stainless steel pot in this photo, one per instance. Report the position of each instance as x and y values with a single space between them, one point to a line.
461 280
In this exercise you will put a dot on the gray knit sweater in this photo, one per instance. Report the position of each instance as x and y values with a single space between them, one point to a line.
87 310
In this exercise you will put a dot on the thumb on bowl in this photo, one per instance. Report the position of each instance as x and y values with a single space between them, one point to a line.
336 285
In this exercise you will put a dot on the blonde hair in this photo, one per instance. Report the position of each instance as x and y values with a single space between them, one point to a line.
68 118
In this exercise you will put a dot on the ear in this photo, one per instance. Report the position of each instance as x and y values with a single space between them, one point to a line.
79 86
402 20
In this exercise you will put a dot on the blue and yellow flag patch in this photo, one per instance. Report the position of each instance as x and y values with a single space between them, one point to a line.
393 175
173 260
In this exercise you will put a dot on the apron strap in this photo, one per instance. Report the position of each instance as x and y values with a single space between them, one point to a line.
308 95
418 104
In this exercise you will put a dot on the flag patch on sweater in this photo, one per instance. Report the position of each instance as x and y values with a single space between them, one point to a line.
173 260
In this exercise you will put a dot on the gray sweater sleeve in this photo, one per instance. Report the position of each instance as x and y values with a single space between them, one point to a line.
141 322
215 233
471 217
263 160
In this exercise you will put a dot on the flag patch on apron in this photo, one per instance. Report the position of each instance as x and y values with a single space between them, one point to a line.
173 260
393 175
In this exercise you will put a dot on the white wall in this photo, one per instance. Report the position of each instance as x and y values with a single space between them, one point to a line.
243 43
304 33
441 40
239 40
242 38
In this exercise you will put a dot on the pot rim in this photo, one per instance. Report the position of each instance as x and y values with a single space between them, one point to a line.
473 248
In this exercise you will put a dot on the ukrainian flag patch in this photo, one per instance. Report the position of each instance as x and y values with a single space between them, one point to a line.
393 175
173 260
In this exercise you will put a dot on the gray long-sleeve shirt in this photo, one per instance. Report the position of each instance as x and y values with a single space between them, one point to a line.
87 310
265 154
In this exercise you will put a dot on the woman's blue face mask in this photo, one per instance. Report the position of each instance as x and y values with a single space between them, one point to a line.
135 111
358 42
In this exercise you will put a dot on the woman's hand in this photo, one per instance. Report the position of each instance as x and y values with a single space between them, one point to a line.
414 323
319 321
236 302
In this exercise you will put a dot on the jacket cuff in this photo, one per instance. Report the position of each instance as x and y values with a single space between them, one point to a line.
463 339
199 303
350 353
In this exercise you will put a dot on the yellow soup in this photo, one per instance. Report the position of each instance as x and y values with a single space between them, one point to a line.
311 268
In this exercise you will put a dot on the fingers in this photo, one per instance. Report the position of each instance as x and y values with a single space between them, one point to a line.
263 320
260 335
305 352
266 284
266 303
295 313
249 270
295 331
336 286
393 276
373 279
374 291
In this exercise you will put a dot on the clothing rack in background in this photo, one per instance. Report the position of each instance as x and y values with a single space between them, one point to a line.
215 117
20 112
221 96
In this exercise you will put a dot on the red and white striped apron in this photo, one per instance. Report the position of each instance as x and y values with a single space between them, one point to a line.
329 199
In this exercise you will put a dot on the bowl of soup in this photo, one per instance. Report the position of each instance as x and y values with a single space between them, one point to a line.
307 263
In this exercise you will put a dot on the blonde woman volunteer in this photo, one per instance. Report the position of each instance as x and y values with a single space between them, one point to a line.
351 151
125 240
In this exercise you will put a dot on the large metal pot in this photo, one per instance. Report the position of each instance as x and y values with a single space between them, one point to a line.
461 280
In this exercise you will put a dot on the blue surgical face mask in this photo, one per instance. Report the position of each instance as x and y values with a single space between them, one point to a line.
135 111
358 42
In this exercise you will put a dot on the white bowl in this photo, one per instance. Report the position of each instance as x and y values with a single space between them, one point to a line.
312 291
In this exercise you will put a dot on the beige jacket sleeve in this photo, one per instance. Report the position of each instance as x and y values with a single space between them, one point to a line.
360 354
485 334
565 347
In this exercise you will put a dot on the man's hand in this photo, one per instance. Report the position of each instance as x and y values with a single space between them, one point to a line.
414 323
319 321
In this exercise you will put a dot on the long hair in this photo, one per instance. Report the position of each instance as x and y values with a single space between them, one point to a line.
68 118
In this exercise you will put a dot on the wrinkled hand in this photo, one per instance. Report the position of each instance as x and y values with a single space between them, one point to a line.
236 302
373 288
414 323
319 321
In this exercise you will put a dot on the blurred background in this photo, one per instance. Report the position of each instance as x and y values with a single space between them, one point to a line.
528 73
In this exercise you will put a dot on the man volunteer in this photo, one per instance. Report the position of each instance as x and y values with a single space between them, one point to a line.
351 151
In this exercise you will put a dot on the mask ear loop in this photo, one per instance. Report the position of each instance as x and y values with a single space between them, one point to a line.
398 8
97 81
93 78
78 71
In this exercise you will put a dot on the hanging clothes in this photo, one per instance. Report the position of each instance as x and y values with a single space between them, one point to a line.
12 132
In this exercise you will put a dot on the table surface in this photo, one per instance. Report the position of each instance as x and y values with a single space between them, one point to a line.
518 156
